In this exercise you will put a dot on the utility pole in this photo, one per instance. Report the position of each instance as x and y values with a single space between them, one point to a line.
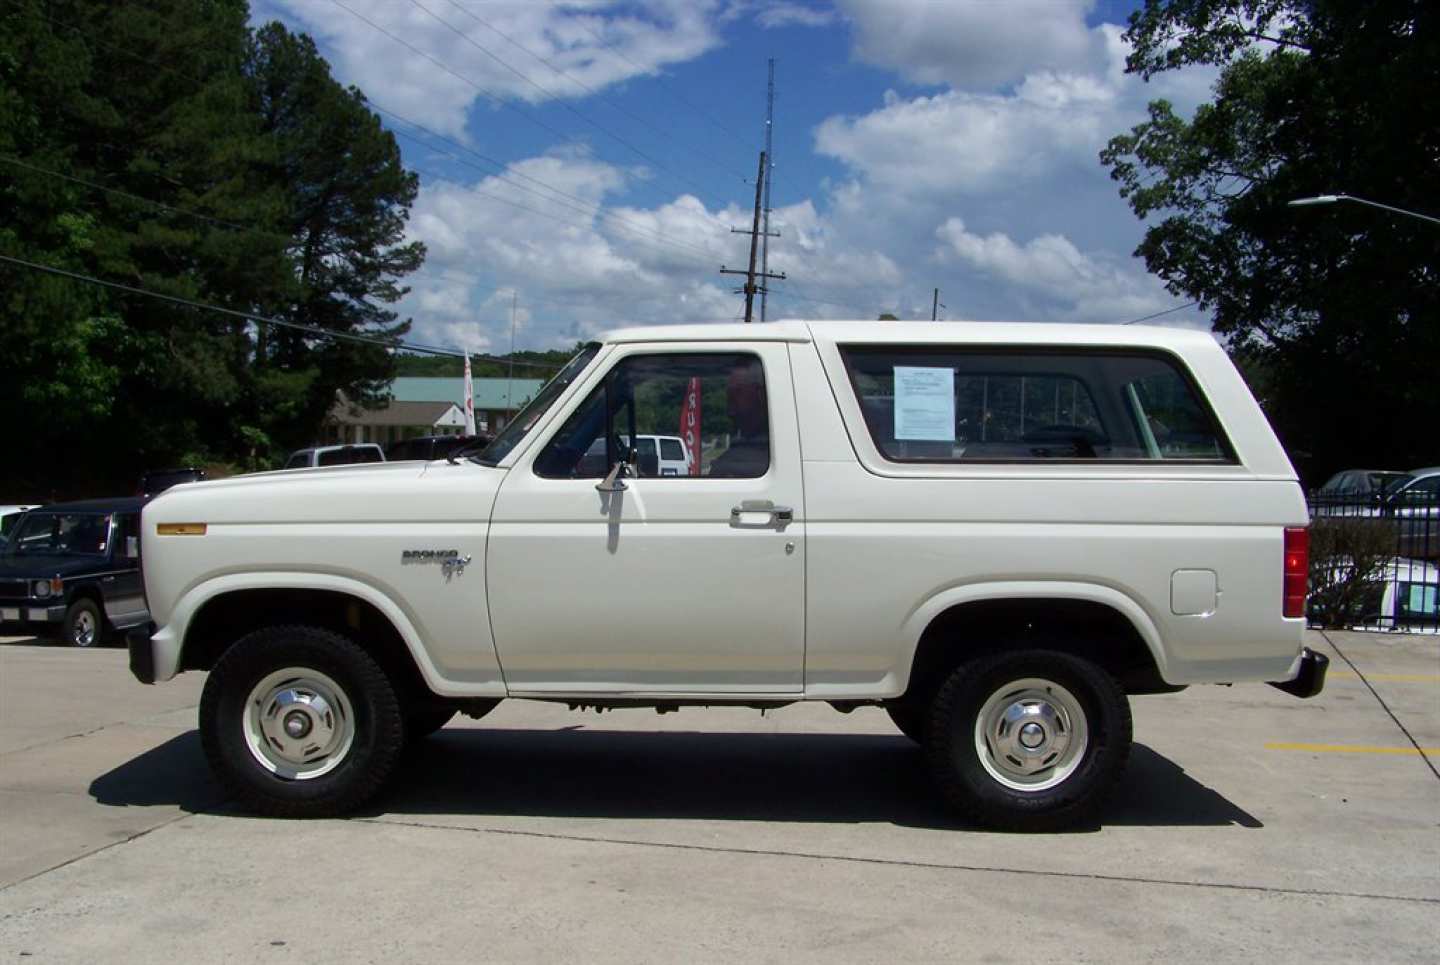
750 274
769 153
935 307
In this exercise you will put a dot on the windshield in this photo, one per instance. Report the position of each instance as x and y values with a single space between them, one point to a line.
526 418
61 534
1395 485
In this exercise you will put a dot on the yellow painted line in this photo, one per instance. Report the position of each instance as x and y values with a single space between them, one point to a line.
1407 677
1348 749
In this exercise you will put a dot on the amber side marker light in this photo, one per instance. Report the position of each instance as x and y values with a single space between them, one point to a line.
180 529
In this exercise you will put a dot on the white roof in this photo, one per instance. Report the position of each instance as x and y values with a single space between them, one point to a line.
993 333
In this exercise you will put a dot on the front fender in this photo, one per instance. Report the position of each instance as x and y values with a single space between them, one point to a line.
924 614
168 641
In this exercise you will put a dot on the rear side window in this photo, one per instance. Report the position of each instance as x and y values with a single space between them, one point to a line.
943 404
670 449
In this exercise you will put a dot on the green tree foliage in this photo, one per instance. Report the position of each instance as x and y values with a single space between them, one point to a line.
240 173
1336 308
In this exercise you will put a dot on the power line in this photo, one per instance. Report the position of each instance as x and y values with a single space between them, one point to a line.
666 87
421 274
484 92
8 159
550 94
592 91
588 208
259 319
1146 318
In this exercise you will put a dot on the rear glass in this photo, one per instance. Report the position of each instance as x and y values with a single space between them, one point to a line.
942 404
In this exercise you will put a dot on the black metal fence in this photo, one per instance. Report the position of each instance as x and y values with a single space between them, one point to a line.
1375 561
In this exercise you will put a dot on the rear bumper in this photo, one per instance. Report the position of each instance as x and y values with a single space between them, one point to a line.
1308 677
142 653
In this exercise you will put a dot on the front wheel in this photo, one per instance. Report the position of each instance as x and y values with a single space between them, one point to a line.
83 627
298 721
1028 740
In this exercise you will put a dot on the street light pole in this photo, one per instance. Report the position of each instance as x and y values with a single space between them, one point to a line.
1336 198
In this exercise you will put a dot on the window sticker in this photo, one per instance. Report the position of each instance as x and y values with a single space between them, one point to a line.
924 404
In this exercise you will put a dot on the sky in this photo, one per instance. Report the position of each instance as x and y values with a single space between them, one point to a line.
588 162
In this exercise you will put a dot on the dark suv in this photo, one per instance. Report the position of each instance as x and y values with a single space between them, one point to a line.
75 568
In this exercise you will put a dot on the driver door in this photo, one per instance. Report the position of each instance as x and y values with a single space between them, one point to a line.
670 584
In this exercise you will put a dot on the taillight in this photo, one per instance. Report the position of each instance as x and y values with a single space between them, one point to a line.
1297 569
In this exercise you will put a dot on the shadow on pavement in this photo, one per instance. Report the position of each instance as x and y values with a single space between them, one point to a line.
173 774
845 778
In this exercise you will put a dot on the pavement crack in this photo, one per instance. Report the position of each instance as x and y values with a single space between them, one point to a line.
907 863
90 854
1384 706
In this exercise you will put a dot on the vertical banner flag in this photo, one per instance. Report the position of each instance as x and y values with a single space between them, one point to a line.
469 400
690 424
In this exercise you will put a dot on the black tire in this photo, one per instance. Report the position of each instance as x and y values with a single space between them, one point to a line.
978 788
909 718
421 724
356 772
84 624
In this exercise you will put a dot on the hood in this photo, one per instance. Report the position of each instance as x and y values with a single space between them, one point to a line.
368 493
39 566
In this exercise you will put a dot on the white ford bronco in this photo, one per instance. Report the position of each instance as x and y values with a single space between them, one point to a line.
996 532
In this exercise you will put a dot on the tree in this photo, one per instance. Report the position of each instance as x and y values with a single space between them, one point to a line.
1338 308
166 145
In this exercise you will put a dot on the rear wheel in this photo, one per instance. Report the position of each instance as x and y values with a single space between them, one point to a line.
1028 740
297 721
84 626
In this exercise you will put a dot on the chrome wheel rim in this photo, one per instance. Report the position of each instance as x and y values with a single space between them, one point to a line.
299 724
82 631
1031 734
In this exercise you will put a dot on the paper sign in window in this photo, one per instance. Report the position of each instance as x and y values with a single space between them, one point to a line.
924 403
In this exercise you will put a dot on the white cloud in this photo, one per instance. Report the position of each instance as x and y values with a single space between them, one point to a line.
597 43
972 45
787 14
1053 274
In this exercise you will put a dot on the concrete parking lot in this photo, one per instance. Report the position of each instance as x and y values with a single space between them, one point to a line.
1250 826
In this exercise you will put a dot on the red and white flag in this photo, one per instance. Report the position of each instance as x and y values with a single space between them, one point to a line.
690 424
469 400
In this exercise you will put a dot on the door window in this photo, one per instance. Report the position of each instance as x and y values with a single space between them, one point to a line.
718 401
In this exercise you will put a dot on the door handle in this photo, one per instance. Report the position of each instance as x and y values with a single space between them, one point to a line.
777 515
107 579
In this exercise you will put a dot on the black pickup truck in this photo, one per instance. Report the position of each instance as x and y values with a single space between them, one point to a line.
75 568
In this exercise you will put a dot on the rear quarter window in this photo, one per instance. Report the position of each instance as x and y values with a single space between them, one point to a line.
947 404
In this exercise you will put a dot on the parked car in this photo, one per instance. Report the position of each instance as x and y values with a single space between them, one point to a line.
1414 504
1359 483
433 447
74 568
996 533
158 480
1400 594
335 455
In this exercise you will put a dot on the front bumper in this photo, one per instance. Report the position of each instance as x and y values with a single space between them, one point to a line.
142 653
31 613
1309 676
